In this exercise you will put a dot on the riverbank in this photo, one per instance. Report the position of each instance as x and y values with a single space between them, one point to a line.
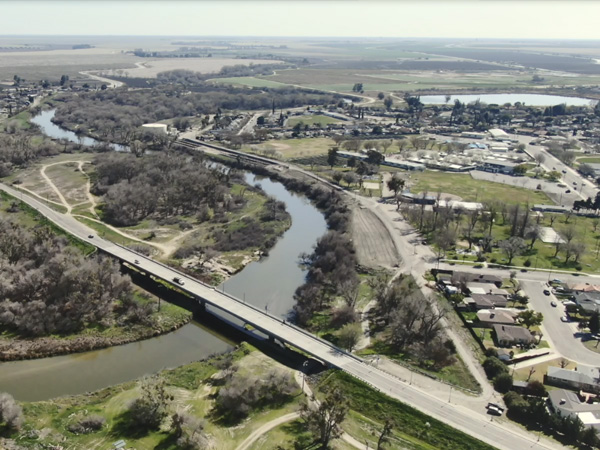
170 318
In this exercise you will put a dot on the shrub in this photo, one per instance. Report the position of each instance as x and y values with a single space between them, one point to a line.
87 425
527 263
494 367
503 382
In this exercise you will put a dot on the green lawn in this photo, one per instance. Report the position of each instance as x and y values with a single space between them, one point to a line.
590 160
472 190
293 148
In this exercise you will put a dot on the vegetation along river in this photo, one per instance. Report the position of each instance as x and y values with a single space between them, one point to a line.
269 283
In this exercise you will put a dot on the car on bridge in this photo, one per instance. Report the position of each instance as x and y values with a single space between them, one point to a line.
178 280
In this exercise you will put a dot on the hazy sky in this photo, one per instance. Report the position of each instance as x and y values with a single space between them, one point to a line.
392 18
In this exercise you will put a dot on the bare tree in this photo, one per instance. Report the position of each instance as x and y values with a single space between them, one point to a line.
11 413
349 335
540 158
385 434
324 420
512 247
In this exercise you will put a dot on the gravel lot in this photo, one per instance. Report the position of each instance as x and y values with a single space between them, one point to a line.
374 245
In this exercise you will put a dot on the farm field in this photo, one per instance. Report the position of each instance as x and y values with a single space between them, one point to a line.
293 148
248 81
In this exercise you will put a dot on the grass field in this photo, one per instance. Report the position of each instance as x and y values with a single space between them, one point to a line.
588 160
248 81
472 190
294 148
311 120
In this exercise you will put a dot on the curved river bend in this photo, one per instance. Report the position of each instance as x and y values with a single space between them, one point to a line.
268 283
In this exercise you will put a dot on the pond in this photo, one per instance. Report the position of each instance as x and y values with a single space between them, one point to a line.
501 99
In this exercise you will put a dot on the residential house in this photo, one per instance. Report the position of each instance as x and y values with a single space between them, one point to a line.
468 277
508 335
588 302
490 317
582 378
485 301
568 404
485 288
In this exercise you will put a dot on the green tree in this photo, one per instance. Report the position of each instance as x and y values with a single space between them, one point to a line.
349 335
494 367
396 184
503 382
594 323
324 420
381 96
332 156
530 318
388 102
149 410
337 176
521 169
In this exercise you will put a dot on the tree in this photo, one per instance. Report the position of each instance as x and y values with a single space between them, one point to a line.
381 96
11 413
521 169
332 156
594 323
540 158
530 318
396 184
494 367
324 420
586 170
374 157
388 102
503 382
384 436
148 411
358 87
349 335
512 247
534 233
536 388
337 176
350 178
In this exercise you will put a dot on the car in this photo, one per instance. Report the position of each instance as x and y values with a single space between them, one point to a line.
583 185
564 171
136 261
568 191
553 303
90 236
556 280
178 280
574 183
424 242
546 292
564 319
495 405
495 411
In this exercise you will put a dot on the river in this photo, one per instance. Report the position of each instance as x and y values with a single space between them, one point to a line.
501 99
269 283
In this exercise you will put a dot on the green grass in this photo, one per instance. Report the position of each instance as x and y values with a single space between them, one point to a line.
471 190
590 160
410 425
311 120
293 148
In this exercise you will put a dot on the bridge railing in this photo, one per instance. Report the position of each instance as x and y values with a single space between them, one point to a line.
249 305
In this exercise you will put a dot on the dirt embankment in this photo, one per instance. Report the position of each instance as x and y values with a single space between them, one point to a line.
374 245
43 347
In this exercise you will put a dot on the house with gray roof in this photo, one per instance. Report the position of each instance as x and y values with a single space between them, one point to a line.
568 404
589 302
582 378
486 301
490 317
508 335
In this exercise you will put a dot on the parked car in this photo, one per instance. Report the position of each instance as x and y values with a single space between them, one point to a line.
564 319
546 292
90 236
495 405
568 191
553 303
564 171
556 280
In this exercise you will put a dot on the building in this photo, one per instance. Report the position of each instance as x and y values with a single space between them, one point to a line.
485 301
507 336
568 404
497 166
584 378
485 288
490 317
588 302
498 134
468 277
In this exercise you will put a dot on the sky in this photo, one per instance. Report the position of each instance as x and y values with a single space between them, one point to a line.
540 19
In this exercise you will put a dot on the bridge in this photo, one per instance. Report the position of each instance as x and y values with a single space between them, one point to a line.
500 435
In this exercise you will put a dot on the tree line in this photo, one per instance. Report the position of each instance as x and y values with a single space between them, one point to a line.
48 287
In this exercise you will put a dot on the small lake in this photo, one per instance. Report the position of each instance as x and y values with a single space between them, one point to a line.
501 99
270 282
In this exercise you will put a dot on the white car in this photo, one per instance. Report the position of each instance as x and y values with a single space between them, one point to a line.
564 319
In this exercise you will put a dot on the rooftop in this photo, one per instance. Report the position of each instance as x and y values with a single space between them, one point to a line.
512 333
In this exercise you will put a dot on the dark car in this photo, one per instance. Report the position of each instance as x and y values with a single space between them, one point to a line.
91 236
546 292
568 191
564 171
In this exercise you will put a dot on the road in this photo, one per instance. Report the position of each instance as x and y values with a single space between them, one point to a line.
562 336
477 424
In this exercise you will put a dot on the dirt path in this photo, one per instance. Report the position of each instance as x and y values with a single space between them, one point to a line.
88 188
50 183
374 245
288 418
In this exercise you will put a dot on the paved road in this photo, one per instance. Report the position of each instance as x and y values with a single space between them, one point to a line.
500 435
562 335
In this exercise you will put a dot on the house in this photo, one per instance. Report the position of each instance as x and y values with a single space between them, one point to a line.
582 287
486 301
582 378
588 302
468 277
507 335
485 288
497 166
567 404
490 317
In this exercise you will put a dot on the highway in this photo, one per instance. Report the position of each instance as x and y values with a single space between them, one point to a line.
500 434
